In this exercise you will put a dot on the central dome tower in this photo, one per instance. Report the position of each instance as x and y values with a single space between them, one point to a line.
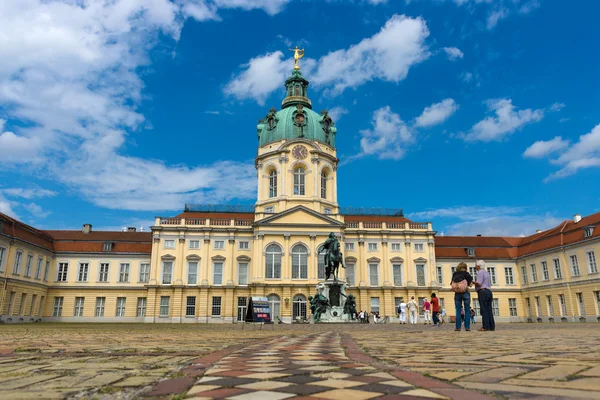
296 160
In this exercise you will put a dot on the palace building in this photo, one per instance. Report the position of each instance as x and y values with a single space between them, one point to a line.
201 265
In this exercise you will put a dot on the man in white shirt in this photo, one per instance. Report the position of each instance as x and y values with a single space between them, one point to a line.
402 312
413 309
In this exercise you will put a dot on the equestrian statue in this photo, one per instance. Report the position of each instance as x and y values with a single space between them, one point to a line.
333 256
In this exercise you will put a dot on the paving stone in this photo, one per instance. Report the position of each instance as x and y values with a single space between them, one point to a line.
554 372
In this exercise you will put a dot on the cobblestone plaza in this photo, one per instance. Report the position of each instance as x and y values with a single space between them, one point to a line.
126 361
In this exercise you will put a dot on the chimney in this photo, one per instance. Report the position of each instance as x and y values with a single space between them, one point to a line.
479 235
131 229
538 231
142 228
87 228
576 218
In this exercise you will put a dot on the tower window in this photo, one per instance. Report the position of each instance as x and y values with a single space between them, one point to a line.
299 180
323 185
273 184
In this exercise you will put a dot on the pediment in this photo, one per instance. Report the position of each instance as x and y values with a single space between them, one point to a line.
300 215
397 260
420 260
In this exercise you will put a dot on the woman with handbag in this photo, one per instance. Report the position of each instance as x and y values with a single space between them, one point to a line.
461 280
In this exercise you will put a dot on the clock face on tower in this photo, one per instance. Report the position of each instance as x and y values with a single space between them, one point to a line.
299 152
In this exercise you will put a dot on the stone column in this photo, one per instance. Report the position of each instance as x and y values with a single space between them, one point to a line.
385 264
283 173
334 184
361 264
154 260
180 264
205 263
286 267
313 260
409 264
231 264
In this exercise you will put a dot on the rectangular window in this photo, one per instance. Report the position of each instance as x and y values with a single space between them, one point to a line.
473 272
31 308
563 305
597 297
587 231
269 210
508 273
169 243
144 272
165 302
557 270
396 246
397 273
58 305
82 274
591 259
492 272
244 245
545 272
512 307
574 265
439 273
538 308
241 308
46 271
22 303
121 306
524 274
471 252
217 273
419 247
11 300
374 304
243 273
534 277
320 265
103 272
38 268
550 306
216 306
167 272
327 210
124 272
219 244
349 246
63 268
18 259
100 303
141 307
528 305
2 258
194 244
41 305
495 307
192 278
581 304
420 274
28 265
350 274
372 246
79 306
273 264
374 274
107 246
190 306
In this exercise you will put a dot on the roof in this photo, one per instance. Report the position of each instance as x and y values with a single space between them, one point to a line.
18 230
100 236
216 215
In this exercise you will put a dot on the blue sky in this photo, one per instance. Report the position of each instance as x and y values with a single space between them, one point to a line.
479 115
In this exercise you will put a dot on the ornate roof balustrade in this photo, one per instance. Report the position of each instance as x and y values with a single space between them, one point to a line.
216 222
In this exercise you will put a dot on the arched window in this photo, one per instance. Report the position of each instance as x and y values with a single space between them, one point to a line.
273 262
275 307
299 307
299 262
323 184
321 263
299 178
273 183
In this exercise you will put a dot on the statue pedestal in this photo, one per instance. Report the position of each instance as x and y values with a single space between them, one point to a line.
335 291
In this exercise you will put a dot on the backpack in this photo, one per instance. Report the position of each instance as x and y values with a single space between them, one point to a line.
459 287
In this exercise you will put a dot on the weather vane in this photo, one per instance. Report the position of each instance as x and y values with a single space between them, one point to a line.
298 54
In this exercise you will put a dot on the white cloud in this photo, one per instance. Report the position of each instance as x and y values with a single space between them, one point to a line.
453 53
466 77
31 193
495 16
6 207
388 137
388 55
529 7
377 2
336 113
70 70
506 121
583 154
35 210
436 113
543 148
557 107
488 221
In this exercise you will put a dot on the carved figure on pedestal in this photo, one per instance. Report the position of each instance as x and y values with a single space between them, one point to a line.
350 306
333 256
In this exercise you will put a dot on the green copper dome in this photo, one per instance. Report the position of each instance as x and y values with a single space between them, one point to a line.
296 119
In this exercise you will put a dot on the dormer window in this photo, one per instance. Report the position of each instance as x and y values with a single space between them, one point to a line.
587 231
107 246
470 251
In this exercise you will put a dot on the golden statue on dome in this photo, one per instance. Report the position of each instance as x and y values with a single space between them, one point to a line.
298 54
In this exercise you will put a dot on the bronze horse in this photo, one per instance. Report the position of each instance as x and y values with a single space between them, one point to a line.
334 260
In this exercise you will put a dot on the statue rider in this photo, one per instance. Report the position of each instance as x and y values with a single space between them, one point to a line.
328 246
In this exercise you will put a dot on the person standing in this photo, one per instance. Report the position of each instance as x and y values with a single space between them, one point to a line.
461 280
435 309
413 309
427 311
483 286
402 311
